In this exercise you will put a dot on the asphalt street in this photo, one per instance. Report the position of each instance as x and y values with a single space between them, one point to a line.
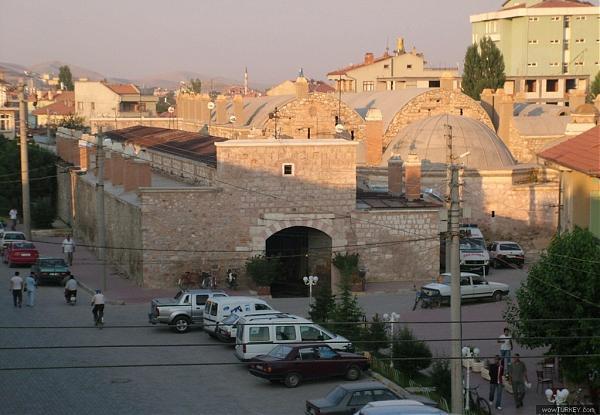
208 379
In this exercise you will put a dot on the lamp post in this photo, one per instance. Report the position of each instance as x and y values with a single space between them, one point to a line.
469 354
310 281
391 319
558 397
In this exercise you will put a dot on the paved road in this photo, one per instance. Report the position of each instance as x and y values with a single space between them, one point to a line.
214 389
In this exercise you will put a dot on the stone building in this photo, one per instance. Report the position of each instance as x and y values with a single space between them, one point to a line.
178 201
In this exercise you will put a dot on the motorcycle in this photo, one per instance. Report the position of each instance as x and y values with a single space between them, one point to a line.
71 297
427 301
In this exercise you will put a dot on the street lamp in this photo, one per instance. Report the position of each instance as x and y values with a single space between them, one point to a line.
310 281
391 319
558 398
469 354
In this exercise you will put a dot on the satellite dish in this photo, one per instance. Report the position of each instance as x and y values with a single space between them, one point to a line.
211 105
339 128
171 110
232 119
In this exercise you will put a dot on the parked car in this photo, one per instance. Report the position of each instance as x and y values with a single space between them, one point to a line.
20 253
348 398
226 331
183 310
9 237
293 363
53 270
259 336
399 407
218 309
504 253
472 286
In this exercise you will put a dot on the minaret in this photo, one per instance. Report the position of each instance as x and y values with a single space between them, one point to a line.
246 81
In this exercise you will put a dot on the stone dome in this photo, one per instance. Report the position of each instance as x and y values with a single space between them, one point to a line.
426 138
586 109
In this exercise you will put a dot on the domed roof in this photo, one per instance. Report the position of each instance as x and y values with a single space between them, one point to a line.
586 109
426 138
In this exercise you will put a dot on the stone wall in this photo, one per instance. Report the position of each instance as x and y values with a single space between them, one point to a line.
398 245
525 148
181 168
64 198
435 102
109 124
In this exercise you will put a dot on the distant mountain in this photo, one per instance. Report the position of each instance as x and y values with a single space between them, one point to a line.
53 67
171 80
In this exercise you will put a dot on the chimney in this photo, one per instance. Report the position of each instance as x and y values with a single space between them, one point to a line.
505 114
447 81
301 87
50 95
238 110
374 136
369 58
412 170
221 110
576 98
395 175
83 154
143 173
118 169
130 179
204 111
400 46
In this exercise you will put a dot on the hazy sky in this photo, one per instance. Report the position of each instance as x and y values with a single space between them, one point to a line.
273 38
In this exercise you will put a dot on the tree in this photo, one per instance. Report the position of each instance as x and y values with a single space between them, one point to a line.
347 310
196 86
324 306
263 270
407 345
483 68
595 88
564 283
376 336
73 122
164 103
65 77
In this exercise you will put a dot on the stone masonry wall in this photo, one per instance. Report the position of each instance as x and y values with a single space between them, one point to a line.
181 168
525 148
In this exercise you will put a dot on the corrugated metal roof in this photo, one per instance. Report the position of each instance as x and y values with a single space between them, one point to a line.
541 126
382 200
581 153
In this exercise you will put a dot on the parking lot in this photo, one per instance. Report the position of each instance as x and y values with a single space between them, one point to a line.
189 373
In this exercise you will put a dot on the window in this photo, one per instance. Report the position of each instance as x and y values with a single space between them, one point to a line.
368 86
287 169
326 353
308 333
4 122
534 19
259 334
307 353
384 395
510 247
580 18
93 106
552 85
532 64
280 351
555 42
554 64
533 42
409 66
260 307
579 63
285 332
386 66
465 281
555 18
478 281
580 40
201 299
361 398
186 299
434 84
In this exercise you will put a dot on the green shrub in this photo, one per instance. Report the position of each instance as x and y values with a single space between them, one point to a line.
440 378
323 308
263 270
407 345
43 214
376 337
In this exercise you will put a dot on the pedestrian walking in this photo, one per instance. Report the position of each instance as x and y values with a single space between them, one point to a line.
16 286
519 380
506 347
30 287
496 382
12 214
68 246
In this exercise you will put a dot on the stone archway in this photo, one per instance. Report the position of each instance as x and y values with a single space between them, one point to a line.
302 251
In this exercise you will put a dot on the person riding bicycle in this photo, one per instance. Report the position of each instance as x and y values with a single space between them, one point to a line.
70 288
98 306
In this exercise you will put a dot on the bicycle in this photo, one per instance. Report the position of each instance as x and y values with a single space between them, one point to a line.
477 403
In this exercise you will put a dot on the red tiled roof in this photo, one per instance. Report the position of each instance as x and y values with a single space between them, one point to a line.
56 108
358 65
65 96
562 3
581 153
320 86
123 89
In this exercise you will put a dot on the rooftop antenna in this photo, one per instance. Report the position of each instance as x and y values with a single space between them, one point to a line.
387 45
246 80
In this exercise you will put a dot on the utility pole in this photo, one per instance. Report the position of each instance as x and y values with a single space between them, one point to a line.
449 162
100 224
24 162
455 300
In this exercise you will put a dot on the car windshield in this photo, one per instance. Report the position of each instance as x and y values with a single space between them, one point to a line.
178 295
510 247
14 237
231 319
23 245
471 244
445 279
53 263
280 351
336 395
326 333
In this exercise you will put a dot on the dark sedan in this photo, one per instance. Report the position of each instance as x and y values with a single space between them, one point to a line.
348 398
54 270
294 363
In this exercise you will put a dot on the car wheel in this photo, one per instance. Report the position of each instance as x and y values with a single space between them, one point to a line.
181 325
353 373
292 380
497 296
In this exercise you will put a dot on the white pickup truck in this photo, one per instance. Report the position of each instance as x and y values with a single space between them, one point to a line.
472 286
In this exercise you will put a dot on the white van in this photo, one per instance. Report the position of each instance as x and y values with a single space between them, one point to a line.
260 335
226 331
217 309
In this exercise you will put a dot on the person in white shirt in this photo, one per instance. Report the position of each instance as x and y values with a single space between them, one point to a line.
98 306
13 218
68 247
506 346
70 288
16 286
